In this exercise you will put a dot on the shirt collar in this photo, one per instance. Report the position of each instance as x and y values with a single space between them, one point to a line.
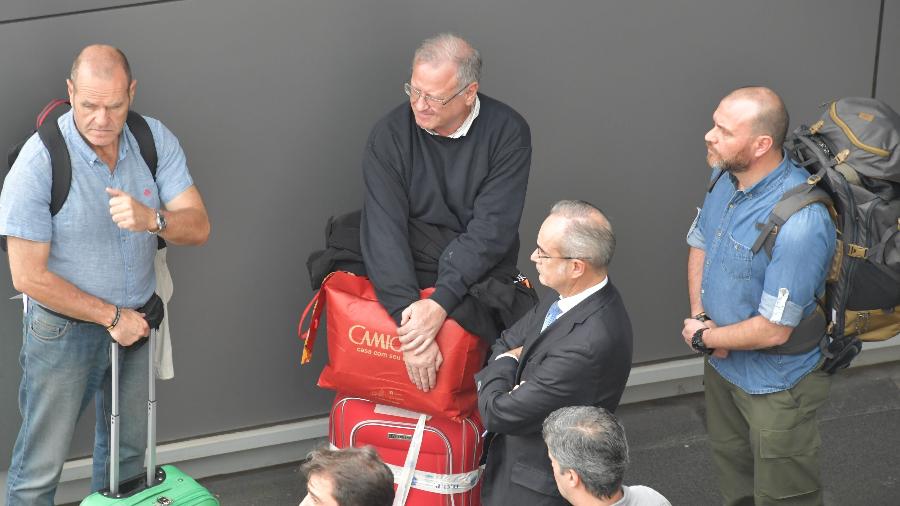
464 128
77 143
567 303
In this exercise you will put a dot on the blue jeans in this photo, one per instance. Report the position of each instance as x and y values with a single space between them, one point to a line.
64 365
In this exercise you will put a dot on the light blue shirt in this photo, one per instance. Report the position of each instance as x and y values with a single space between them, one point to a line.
86 247
738 285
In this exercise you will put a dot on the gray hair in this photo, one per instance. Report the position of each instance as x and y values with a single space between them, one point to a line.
449 47
589 235
590 441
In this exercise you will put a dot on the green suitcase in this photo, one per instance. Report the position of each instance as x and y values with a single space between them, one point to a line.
160 486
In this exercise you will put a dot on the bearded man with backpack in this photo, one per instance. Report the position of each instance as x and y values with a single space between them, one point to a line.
87 269
756 313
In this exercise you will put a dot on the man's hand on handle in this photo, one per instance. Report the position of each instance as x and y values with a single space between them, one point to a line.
130 328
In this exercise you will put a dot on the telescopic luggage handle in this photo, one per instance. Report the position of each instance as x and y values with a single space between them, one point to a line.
114 418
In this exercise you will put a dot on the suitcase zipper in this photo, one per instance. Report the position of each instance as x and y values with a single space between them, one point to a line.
832 111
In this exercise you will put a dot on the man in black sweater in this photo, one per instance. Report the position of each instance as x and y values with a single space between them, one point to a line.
453 158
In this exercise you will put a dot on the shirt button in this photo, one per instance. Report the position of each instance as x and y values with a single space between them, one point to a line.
730 206
702 291
719 233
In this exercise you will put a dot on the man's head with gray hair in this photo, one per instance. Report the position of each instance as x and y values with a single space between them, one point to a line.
449 47
589 235
590 442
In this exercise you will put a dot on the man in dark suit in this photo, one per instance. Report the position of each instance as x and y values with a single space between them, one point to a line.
574 349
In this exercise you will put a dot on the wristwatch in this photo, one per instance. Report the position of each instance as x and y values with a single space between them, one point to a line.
160 223
697 342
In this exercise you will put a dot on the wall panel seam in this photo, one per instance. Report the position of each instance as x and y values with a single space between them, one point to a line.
85 11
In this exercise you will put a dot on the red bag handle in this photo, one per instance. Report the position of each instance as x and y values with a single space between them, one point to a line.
309 336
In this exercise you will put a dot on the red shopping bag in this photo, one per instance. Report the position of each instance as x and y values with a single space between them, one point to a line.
364 357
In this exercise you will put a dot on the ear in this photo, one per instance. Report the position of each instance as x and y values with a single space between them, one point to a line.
572 479
763 145
131 89
70 89
471 92
578 267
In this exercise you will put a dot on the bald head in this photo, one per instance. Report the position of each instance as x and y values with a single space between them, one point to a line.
771 116
103 61
448 47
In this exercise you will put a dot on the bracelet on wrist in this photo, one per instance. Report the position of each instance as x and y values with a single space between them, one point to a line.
701 316
116 319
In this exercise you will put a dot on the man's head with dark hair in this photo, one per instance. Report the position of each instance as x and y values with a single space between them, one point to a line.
588 450
349 477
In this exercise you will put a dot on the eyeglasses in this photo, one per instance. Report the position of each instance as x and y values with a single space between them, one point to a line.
541 256
415 94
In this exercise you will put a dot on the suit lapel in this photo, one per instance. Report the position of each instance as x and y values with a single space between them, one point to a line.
563 325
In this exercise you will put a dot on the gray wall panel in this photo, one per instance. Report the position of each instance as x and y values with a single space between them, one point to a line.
888 88
273 100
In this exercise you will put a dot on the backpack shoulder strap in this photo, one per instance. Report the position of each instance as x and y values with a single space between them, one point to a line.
713 181
60 163
144 136
792 201
141 131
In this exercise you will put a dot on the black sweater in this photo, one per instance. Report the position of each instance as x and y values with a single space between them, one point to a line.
474 185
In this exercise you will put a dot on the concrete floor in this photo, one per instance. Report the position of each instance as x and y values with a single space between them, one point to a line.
860 429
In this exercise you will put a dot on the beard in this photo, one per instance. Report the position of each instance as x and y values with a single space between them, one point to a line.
738 163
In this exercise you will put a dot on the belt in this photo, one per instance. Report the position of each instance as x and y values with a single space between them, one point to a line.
64 317
152 309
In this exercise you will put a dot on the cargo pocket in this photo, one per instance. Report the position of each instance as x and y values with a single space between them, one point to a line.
538 480
788 461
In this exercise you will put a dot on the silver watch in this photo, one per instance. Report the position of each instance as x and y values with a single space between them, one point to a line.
160 223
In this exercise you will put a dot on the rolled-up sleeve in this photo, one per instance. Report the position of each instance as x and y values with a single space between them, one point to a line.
695 237
800 262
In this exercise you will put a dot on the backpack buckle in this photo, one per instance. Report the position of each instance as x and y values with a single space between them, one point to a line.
816 127
842 156
857 251
813 179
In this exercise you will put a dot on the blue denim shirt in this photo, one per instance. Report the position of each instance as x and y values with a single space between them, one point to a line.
738 285
86 247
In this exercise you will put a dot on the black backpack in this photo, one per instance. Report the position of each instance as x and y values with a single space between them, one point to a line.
47 128
853 156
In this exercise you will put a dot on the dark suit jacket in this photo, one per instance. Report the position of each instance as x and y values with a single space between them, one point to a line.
583 358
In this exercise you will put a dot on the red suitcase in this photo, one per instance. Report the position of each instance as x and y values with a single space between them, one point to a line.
447 470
